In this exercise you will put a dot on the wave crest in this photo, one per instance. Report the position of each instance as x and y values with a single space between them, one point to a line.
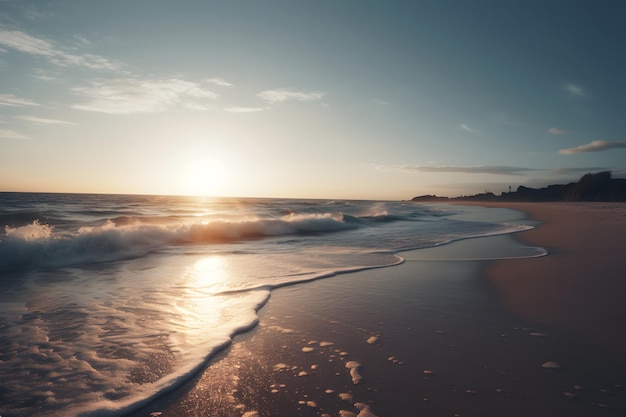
30 232
36 245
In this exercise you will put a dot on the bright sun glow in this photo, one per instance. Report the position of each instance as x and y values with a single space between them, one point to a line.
206 177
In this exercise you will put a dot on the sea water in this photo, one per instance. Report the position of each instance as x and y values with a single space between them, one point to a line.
107 301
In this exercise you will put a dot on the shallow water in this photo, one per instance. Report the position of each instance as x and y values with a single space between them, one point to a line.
108 301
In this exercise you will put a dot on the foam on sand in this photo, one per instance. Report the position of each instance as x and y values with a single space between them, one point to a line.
365 410
372 340
345 396
281 367
552 366
354 366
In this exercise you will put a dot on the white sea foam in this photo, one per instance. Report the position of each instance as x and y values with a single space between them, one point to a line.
365 410
552 366
281 367
354 367
345 396
372 340
30 232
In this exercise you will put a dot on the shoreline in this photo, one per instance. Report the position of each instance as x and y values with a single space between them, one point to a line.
463 345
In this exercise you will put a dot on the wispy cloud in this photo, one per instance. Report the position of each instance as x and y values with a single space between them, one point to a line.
219 81
467 128
132 95
380 102
480 169
54 53
579 170
196 106
21 41
11 134
42 75
594 146
41 120
11 100
575 90
35 13
237 109
81 40
281 95
556 131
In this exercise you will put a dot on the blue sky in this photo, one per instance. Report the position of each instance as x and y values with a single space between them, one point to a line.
330 99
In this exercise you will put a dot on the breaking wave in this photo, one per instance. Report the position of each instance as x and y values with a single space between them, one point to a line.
37 245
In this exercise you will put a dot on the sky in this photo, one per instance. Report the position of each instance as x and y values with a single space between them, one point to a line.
313 99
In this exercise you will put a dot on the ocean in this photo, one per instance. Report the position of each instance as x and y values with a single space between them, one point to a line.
108 301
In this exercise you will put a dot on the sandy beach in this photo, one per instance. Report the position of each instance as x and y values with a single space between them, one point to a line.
440 335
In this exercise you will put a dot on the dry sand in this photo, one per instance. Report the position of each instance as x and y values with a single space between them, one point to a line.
538 336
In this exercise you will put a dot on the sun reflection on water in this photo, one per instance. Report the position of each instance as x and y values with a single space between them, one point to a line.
208 273
200 304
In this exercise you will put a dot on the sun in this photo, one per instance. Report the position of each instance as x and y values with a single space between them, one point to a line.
206 177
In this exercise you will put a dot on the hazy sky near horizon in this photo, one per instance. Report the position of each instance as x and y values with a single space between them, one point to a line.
329 99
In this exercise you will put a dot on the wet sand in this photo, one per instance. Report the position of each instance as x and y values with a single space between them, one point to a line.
581 286
442 337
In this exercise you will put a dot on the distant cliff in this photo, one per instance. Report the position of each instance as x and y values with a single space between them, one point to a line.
591 187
